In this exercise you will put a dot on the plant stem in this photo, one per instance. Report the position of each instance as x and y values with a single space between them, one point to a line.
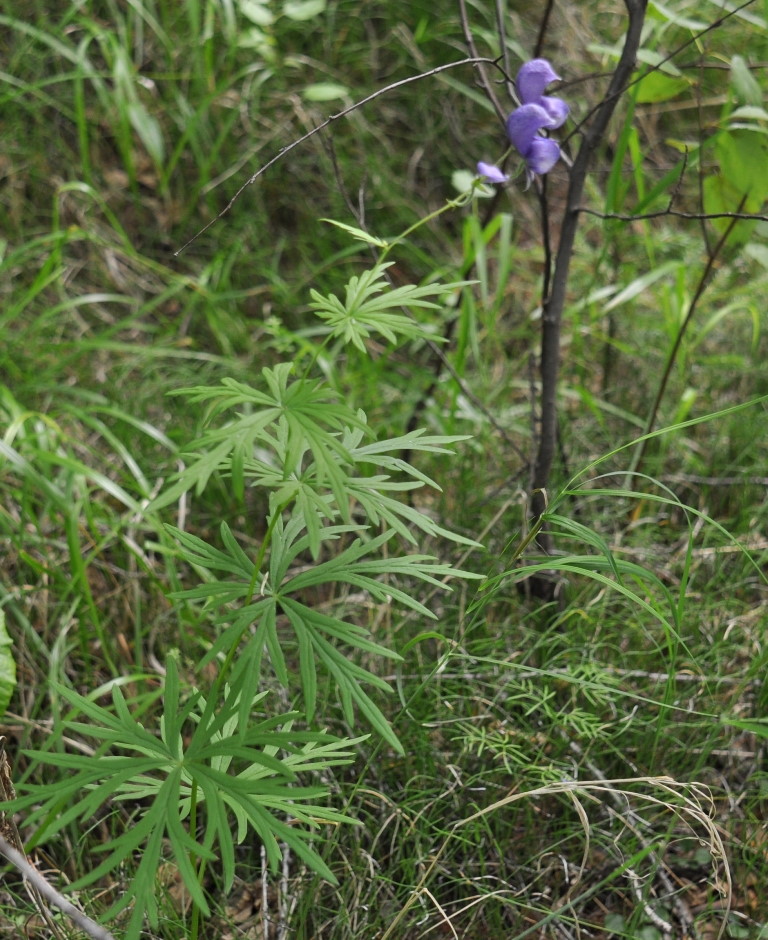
195 925
263 550
554 303
706 277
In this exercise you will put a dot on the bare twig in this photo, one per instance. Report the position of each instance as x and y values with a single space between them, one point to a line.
88 926
696 216
10 832
283 897
702 285
472 49
537 49
653 917
265 918
326 123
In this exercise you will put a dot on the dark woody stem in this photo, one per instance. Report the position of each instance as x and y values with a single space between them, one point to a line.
554 302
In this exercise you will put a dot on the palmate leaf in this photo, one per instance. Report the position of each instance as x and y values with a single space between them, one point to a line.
351 567
295 417
290 539
371 305
309 626
322 640
162 771
402 518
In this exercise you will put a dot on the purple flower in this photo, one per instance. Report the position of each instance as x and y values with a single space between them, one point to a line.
491 173
536 113
531 81
523 124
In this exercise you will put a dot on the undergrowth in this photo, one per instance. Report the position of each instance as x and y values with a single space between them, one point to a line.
284 650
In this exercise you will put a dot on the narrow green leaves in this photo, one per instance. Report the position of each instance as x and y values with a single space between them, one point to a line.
170 773
7 666
295 418
372 306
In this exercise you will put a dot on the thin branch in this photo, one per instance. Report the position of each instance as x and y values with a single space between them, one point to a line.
88 926
326 123
706 216
542 585
472 49
537 49
702 285
502 34
546 240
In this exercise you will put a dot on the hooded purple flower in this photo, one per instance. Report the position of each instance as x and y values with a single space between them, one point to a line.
531 81
537 112
491 173
523 126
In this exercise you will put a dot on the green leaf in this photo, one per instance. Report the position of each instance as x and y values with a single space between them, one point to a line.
585 535
380 453
656 86
351 567
745 85
358 233
743 155
641 283
257 11
198 552
293 418
749 117
720 196
302 10
325 91
351 634
404 519
7 666
148 130
757 726
664 12
371 306
163 779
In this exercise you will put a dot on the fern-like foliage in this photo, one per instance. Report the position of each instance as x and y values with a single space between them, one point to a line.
371 306
243 774
214 771
290 419
333 497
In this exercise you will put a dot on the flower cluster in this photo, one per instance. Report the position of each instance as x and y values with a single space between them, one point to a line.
537 112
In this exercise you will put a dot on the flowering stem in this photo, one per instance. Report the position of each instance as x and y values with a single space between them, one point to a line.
450 204
554 302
